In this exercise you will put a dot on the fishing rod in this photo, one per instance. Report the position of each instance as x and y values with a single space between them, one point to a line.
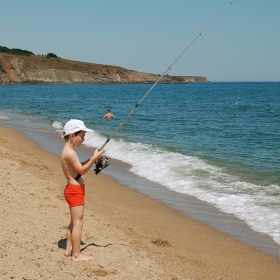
103 162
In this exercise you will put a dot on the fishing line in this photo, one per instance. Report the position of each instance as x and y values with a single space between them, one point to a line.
100 165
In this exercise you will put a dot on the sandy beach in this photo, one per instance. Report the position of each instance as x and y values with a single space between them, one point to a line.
130 236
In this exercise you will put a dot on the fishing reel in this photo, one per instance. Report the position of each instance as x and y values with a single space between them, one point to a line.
101 164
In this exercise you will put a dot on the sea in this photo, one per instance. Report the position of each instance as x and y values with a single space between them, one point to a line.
218 142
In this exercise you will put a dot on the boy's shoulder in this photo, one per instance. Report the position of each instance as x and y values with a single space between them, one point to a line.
68 151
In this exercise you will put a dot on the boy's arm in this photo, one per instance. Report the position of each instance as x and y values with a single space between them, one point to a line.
84 167
84 162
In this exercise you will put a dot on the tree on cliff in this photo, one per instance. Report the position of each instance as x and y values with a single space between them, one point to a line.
16 51
52 55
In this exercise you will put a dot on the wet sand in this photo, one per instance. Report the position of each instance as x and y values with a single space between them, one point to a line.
130 235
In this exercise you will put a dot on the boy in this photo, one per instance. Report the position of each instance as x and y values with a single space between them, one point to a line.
74 134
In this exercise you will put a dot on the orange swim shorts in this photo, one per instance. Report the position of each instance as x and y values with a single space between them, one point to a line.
74 195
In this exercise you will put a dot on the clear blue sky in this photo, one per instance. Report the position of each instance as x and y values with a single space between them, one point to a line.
243 44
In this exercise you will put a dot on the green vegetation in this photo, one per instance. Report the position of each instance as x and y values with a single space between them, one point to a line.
52 55
16 51
24 52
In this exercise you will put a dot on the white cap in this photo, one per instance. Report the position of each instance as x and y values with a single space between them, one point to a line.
73 126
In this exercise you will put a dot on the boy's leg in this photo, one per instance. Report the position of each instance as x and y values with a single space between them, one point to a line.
77 214
68 251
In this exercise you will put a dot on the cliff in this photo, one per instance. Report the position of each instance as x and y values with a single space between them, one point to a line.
35 69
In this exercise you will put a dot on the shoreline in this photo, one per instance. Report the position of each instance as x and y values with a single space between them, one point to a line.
190 206
130 235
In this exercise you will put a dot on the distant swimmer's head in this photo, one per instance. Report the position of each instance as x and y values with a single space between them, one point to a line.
73 126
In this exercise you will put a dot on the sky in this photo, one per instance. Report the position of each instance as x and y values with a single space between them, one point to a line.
242 44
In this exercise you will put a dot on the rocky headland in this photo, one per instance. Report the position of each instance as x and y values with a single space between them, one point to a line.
37 69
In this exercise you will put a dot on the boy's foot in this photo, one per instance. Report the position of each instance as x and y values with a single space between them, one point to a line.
82 257
68 253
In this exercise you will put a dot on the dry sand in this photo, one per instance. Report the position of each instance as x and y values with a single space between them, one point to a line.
129 235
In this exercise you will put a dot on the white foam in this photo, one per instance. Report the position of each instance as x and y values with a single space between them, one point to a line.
4 117
57 125
193 176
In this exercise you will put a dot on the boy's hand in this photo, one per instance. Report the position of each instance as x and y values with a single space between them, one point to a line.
98 153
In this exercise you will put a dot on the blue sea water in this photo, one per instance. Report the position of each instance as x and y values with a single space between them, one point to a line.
219 142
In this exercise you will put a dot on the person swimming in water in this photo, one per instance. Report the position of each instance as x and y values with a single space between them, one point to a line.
108 115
